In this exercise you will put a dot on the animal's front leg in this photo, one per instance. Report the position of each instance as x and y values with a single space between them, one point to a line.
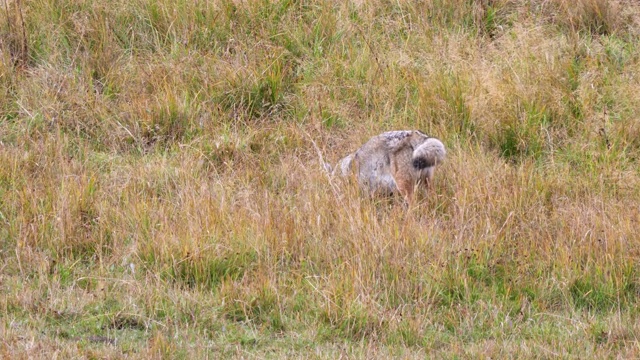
405 187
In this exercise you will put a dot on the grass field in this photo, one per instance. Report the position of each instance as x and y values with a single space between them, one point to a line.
161 195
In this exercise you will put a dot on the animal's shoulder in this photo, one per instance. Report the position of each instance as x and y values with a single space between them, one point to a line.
393 139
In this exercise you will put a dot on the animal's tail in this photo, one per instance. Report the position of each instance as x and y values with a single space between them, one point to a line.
428 154
343 168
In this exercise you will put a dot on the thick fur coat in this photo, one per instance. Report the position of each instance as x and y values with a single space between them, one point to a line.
394 162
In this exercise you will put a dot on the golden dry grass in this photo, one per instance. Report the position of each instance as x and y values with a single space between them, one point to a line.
161 195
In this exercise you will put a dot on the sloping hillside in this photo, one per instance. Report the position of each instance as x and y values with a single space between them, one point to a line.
162 194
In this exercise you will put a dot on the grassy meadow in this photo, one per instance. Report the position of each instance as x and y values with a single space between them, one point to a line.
162 192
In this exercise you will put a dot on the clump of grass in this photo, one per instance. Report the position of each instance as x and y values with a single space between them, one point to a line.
526 136
261 94
595 293
591 16
15 40
197 270
261 306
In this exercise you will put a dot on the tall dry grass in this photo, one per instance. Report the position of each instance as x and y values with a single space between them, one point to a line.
161 194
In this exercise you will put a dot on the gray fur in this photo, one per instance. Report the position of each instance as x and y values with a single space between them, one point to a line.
431 152
412 152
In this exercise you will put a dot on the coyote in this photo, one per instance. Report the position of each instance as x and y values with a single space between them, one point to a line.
394 162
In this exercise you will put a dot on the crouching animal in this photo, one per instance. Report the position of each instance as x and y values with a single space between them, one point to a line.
394 162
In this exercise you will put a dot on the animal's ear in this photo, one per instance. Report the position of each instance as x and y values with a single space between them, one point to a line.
417 137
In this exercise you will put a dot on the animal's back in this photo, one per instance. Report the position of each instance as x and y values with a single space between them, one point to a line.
374 163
